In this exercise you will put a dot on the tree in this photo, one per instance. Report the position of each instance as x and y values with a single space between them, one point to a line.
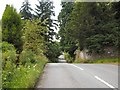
116 9
44 12
68 43
26 10
32 37
81 22
11 27
54 51
106 31
93 26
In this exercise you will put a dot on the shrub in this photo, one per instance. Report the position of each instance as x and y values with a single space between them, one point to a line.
8 62
24 75
68 58
33 38
8 54
27 56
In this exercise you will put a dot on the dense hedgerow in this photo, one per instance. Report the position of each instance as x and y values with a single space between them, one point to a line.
26 73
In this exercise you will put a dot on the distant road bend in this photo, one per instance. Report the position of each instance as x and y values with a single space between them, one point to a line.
63 75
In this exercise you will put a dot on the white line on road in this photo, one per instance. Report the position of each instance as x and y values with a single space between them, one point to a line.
77 67
104 82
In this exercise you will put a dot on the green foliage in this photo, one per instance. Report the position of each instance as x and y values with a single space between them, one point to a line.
92 25
67 42
68 58
104 60
8 55
21 70
27 57
107 60
53 51
0 31
6 47
95 43
25 10
44 11
11 27
32 37
8 61
7 73
116 9
23 77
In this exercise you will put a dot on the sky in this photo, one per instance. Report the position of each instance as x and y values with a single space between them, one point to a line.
18 3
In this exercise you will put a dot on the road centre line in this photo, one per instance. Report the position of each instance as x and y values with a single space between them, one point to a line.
77 67
104 82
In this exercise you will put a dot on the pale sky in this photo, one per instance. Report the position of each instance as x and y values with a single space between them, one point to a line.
18 3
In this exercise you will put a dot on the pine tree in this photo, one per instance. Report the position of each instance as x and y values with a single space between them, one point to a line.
44 12
26 10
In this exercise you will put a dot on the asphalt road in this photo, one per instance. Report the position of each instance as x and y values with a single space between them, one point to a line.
63 75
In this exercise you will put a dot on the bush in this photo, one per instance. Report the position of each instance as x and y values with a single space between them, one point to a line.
26 57
28 71
68 58
33 38
8 54
6 46
8 62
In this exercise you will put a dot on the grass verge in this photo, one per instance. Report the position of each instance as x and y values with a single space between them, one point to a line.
105 60
24 77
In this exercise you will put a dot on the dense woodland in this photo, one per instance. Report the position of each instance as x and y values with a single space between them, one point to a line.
27 36
92 26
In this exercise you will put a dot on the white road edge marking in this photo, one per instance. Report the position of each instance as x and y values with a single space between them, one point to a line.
104 82
77 67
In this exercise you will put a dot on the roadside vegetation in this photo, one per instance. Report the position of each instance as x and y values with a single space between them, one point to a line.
68 58
90 28
27 39
27 43
105 60
22 74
